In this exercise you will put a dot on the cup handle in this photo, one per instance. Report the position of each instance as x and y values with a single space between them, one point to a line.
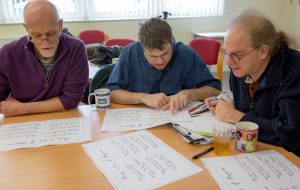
91 94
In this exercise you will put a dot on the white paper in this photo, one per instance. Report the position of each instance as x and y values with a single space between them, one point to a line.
42 133
139 160
265 170
139 118
203 123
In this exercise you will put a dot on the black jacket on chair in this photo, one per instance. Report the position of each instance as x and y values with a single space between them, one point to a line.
100 79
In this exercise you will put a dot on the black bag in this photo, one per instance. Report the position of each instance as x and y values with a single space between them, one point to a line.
104 54
90 50
66 31
98 81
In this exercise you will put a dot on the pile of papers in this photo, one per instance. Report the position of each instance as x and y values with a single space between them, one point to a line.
190 136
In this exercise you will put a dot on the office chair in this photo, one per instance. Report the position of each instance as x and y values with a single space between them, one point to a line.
118 41
92 36
208 49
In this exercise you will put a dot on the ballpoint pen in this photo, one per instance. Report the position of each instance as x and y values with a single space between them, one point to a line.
204 108
196 107
203 152
219 97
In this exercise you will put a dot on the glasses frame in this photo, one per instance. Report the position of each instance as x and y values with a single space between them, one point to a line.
234 58
164 56
49 37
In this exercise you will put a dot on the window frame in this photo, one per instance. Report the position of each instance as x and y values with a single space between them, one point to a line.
84 10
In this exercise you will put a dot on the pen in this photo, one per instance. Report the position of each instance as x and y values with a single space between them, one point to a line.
203 152
196 107
219 97
198 112
222 96
204 108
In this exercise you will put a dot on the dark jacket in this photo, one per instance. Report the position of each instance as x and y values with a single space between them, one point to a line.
276 105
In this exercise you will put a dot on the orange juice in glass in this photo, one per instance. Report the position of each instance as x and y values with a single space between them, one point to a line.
222 137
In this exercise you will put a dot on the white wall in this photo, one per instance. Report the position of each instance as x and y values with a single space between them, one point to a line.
183 28
282 12
291 22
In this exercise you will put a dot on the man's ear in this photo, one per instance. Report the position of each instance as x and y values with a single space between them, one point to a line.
26 28
60 25
264 51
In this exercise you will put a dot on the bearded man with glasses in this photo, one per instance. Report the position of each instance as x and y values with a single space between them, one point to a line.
44 71
159 72
264 80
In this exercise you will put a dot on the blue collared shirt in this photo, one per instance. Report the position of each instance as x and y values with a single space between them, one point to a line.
185 70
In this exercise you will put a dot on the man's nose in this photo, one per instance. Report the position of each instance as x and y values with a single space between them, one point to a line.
228 60
160 60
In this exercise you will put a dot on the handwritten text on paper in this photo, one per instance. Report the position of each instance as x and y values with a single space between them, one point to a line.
258 170
139 118
41 133
139 160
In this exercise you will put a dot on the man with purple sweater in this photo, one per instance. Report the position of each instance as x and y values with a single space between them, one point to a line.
44 71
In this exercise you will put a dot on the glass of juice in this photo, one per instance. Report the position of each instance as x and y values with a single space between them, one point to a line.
222 136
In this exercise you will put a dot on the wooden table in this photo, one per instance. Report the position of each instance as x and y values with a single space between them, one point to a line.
68 167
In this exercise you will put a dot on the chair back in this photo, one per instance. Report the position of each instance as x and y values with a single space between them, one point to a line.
99 80
118 41
92 36
208 49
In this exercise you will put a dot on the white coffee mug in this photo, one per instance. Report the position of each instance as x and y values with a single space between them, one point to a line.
102 99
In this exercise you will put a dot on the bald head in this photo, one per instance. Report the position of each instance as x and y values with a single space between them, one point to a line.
43 27
37 11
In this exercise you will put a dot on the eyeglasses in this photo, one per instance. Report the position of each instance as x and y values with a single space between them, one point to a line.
51 37
235 58
164 56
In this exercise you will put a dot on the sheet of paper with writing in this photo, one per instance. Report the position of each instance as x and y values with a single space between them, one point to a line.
266 170
139 118
203 123
42 133
139 160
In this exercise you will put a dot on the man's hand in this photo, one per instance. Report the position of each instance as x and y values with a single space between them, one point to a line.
11 107
224 110
157 101
178 101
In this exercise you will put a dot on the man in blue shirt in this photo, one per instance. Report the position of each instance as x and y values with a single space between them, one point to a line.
159 72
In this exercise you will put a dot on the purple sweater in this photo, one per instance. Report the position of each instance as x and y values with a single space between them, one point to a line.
22 77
